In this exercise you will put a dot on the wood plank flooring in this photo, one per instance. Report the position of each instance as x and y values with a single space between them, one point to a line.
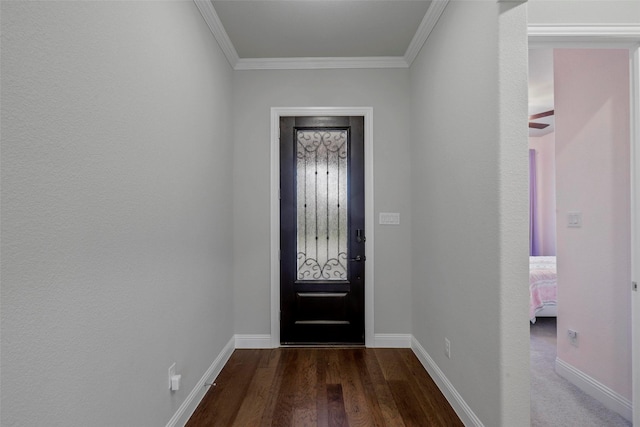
324 387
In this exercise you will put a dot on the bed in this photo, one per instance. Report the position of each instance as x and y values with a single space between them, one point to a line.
543 281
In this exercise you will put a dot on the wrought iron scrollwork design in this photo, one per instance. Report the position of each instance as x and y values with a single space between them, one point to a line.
332 141
333 269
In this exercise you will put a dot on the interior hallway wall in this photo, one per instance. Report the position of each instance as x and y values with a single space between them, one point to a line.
116 210
470 206
600 12
255 92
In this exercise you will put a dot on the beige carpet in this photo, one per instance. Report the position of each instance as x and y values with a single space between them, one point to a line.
555 402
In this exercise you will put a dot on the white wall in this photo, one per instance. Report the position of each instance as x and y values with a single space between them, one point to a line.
116 210
601 12
470 203
593 177
255 92
546 186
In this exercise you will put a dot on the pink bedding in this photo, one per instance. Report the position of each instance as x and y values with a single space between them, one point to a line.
543 282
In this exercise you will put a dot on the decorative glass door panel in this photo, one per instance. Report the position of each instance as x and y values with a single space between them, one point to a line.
321 181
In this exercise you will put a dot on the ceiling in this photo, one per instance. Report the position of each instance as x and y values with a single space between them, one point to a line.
541 88
299 34
286 29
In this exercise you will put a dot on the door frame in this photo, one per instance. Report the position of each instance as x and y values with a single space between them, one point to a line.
635 230
613 37
276 113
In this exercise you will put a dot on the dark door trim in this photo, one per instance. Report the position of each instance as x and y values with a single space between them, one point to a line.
276 113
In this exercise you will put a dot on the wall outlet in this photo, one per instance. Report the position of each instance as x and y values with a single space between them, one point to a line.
573 337
447 348
574 219
172 372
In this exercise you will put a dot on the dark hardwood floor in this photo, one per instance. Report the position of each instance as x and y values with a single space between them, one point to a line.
324 387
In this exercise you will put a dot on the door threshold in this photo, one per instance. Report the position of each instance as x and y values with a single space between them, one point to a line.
321 345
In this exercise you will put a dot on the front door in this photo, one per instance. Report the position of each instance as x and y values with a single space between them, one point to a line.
322 230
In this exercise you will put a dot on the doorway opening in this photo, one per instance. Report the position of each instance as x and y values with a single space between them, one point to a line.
591 148
322 239
276 114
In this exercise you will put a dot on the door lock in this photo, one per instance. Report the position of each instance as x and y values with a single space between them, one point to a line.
360 238
359 258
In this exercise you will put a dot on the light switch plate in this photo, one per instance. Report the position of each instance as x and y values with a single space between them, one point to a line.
389 218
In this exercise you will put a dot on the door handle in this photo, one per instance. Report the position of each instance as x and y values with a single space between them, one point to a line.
359 258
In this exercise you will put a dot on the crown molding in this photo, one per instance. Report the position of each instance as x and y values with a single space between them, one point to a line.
217 29
424 30
584 33
320 63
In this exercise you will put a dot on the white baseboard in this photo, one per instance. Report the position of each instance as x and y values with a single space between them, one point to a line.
392 340
192 401
253 341
595 389
467 416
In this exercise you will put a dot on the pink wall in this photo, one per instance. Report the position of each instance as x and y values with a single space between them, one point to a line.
593 177
546 187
